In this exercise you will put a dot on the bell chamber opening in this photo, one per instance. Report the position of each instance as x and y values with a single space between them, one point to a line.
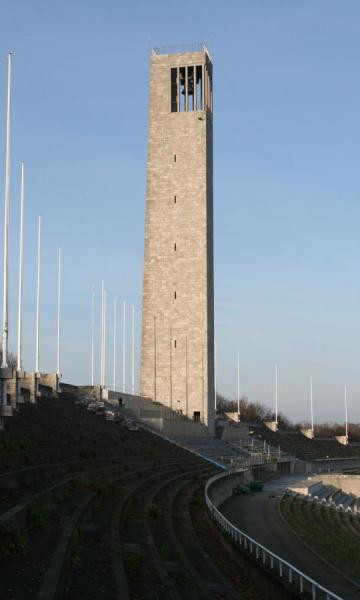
191 88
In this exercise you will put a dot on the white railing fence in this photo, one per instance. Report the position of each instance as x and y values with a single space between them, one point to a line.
282 568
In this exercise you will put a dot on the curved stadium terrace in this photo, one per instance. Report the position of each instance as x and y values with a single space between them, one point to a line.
93 508
303 448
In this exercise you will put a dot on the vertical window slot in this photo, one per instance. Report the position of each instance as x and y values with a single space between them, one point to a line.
175 295
174 90
182 89
175 246
190 88
199 87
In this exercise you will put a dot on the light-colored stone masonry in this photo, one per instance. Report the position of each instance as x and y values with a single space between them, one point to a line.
179 164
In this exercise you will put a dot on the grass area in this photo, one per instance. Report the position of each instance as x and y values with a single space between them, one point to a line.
326 531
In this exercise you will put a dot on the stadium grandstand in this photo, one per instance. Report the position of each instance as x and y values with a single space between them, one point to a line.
97 499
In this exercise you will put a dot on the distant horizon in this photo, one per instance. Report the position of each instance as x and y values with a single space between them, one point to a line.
286 176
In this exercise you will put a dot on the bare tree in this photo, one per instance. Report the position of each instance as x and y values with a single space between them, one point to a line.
11 359
251 411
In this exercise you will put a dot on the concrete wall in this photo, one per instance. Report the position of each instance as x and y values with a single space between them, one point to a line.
220 488
177 348
131 401
233 416
28 383
158 417
331 465
350 484
238 432
306 488
11 389
177 429
50 380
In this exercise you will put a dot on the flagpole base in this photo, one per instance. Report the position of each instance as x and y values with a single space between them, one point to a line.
37 385
5 408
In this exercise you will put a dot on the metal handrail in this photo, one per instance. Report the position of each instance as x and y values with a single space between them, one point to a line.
264 555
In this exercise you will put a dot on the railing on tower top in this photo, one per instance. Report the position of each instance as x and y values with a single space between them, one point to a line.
283 569
181 49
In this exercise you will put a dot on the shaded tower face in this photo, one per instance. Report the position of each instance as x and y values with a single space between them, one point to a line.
177 348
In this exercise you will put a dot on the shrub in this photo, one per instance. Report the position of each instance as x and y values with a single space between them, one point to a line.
12 542
37 515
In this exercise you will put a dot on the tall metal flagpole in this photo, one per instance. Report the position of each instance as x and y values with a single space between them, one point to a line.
37 348
238 384
58 315
6 241
114 348
18 397
133 349
311 404
19 339
276 394
346 413
123 349
92 334
102 337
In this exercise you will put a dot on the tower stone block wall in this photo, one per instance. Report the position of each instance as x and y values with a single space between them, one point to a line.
177 350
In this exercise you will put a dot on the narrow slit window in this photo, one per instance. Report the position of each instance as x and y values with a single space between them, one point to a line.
175 246
174 343
174 90
199 87
182 89
175 295
174 199
210 88
174 157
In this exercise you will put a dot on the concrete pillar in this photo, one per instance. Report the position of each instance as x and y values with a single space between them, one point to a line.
11 390
309 433
50 380
342 439
29 383
6 374
19 397
272 425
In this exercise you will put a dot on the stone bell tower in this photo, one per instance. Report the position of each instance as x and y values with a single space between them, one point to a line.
177 347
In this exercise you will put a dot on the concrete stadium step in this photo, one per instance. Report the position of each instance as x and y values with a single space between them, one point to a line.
295 443
324 493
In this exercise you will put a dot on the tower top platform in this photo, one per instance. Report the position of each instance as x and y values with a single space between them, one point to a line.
181 49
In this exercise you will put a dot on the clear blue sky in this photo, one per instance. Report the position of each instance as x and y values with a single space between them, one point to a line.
287 155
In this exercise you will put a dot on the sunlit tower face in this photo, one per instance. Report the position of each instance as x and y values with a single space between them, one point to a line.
177 358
